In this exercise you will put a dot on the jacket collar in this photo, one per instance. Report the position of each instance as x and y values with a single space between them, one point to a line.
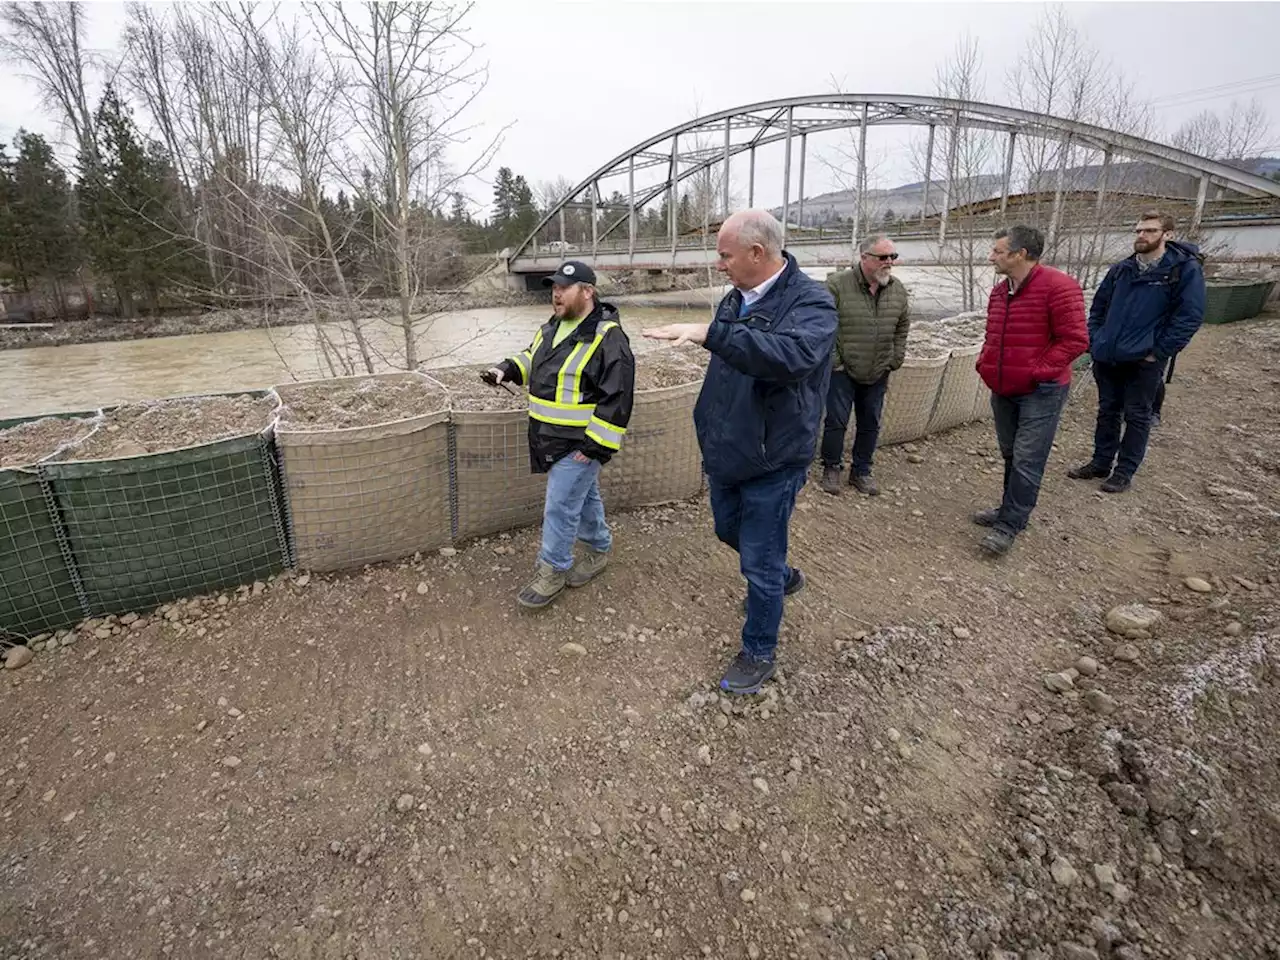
586 328
784 279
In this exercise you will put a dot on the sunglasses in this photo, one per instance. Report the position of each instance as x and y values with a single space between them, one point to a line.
882 257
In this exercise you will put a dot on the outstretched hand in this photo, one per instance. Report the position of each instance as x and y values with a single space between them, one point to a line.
681 333
493 376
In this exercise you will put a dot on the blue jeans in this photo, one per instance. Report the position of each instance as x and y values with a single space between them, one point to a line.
1025 428
866 401
573 511
1127 392
754 518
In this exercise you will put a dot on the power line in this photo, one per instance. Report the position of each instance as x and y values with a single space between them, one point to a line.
1253 85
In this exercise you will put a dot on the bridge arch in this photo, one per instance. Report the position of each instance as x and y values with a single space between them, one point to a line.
747 128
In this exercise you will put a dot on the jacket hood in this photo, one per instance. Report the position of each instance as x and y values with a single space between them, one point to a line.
605 311
1184 250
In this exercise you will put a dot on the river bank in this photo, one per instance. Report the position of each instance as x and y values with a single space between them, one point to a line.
110 329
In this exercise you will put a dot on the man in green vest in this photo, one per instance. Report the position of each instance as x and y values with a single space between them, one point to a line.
871 342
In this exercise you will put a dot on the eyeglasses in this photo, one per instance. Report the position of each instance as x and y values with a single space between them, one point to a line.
882 257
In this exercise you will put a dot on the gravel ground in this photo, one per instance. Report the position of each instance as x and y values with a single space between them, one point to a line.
359 403
30 442
959 759
158 425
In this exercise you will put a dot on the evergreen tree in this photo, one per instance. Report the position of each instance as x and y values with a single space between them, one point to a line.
40 235
458 214
129 205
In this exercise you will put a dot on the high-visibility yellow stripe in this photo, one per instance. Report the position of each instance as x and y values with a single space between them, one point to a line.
569 380
563 414
605 433
519 361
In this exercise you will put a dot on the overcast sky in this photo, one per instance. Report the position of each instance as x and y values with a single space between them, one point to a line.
582 82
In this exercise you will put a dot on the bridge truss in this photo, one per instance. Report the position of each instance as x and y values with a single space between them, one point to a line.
654 169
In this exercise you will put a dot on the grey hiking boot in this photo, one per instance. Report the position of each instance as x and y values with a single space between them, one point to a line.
831 480
546 585
865 484
586 569
747 674
986 518
997 542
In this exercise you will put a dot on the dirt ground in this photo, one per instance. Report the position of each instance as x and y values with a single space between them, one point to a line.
397 763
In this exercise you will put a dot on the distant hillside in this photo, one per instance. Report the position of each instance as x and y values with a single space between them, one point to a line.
906 201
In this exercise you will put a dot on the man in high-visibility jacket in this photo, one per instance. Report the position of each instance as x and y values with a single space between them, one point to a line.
580 377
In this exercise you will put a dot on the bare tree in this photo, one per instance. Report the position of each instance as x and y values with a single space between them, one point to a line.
48 40
1061 74
968 158
1236 136
410 74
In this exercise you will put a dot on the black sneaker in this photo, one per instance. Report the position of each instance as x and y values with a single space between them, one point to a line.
997 542
865 484
1089 471
794 586
1115 484
986 518
747 674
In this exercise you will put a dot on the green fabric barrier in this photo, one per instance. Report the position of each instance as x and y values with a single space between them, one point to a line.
146 530
37 588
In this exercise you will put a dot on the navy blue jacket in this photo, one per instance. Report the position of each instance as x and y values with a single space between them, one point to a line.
766 386
1156 312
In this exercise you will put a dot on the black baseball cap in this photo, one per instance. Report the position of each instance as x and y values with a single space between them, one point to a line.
570 272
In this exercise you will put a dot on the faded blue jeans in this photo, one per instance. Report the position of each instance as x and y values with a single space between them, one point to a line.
573 511
1025 428
754 518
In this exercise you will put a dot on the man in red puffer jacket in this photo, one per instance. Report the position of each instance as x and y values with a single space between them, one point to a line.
1035 329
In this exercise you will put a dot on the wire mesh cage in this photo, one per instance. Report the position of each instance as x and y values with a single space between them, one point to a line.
369 493
494 489
38 587
958 391
660 460
908 405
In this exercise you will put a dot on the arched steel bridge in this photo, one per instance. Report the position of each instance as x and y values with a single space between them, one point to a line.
749 128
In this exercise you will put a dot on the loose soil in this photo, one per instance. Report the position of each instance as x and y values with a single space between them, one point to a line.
358 403
30 442
398 763
155 426
655 369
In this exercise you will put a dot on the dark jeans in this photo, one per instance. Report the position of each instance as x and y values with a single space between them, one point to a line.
1166 376
866 401
1126 393
754 518
1025 428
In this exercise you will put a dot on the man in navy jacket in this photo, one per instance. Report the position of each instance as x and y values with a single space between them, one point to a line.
758 416
1147 308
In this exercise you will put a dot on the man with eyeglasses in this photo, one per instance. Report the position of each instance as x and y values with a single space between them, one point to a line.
871 342
1146 310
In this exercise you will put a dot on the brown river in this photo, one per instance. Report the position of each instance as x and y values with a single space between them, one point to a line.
89 375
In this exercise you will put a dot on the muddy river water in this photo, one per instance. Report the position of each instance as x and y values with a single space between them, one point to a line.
84 376
89 375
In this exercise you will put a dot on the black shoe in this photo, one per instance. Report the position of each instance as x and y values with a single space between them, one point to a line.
794 586
986 518
1090 471
997 542
747 674
1115 484
831 480
865 484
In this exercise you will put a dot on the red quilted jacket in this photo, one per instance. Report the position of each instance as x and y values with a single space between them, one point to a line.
1034 335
